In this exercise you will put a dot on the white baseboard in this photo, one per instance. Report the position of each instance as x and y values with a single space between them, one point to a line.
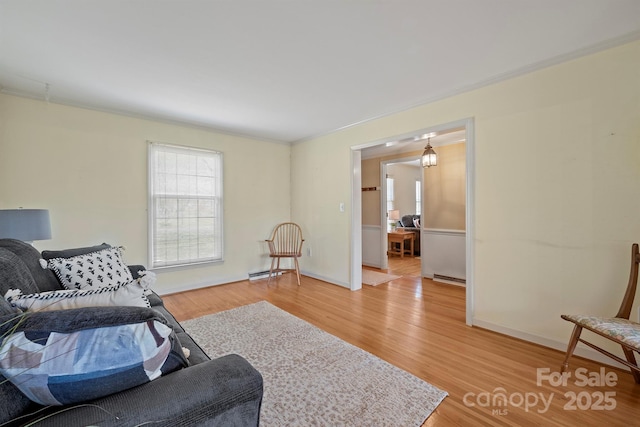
326 279
449 282
371 264
581 350
167 290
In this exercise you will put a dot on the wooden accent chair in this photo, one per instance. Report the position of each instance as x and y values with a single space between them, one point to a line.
618 329
286 242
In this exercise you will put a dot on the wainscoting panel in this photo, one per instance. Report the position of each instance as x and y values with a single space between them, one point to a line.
444 254
371 250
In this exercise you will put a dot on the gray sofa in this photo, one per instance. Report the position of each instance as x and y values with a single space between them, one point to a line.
222 392
407 224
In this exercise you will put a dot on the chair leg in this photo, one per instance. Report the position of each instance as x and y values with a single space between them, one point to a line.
271 270
632 359
297 270
573 341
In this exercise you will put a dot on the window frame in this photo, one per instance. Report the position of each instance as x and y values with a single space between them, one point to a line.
391 201
152 149
418 197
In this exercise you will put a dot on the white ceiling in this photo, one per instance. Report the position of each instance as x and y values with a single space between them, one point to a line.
288 70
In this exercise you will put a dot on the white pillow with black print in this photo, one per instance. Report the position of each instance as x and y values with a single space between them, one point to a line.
91 271
132 294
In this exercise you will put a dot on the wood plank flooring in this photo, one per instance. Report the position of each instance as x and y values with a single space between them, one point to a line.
418 325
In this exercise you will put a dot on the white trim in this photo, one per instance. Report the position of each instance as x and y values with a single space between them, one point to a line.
199 285
370 227
468 124
581 350
589 50
356 212
367 230
329 279
384 260
154 147
470 218
443 231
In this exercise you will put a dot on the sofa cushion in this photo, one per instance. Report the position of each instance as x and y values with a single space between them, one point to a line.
93 270
14 273
127 294
45 280
12 402
71 356
6 308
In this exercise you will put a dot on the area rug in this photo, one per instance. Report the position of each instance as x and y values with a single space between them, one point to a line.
375 278
312 378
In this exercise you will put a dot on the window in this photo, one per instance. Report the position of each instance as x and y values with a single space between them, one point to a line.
418 197
185 205
389 194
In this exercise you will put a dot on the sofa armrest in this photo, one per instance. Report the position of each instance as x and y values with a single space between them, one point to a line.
222 392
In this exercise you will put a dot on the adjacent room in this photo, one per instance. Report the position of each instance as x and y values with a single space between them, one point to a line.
279 213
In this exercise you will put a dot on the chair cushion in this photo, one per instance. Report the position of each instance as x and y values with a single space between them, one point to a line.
622 330
71 356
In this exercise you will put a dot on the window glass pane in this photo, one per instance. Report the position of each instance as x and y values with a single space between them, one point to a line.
186 194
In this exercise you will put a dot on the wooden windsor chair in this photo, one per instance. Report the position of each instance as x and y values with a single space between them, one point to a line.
286 242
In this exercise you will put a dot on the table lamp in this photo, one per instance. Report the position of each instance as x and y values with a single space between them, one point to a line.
25 224
394 216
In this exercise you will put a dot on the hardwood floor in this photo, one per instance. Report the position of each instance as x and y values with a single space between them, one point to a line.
418 325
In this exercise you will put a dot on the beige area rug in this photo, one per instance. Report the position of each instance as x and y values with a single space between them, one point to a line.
374 278
312 378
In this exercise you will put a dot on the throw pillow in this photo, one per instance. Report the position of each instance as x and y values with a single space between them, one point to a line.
68 253
131 294
72 356
93 270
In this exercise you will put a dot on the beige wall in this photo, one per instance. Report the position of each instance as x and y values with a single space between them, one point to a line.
89 169
445 189
556 189
371 199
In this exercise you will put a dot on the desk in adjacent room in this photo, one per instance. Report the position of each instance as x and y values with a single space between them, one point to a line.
400 237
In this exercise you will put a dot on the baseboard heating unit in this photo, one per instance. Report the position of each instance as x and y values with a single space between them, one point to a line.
262 275
446 279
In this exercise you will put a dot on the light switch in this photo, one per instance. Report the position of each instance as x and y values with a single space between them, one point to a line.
341 207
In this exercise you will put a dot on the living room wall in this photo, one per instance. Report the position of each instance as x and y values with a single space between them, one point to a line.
556 190
89 168
445 190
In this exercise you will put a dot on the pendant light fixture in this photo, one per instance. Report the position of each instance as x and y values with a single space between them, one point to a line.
429 157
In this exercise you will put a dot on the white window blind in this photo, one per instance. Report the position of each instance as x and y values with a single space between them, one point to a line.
390 196
185 212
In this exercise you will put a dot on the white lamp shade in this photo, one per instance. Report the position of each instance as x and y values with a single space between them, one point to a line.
394 215
25 224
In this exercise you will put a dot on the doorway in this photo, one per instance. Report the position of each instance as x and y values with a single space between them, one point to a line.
411 141
401 208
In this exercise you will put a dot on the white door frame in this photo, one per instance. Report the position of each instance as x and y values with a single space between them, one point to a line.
384 259
356 200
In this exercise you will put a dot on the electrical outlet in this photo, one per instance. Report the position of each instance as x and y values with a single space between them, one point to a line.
308 252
